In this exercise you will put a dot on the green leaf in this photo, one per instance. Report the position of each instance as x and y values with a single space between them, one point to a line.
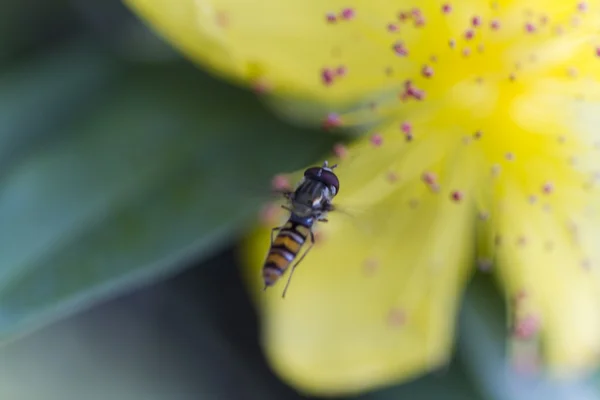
482 347
27 23
175 340
41 95
168 168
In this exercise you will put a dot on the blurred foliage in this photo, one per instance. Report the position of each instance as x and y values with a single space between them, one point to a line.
124 172
150 175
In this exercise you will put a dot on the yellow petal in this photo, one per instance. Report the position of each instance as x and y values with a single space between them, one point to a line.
548 225
293 50
283 44
551 276
374 301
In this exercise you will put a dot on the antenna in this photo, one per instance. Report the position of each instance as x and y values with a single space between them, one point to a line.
326 165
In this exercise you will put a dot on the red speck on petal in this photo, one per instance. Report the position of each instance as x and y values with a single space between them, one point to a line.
261 86
452 43
396 318
532 199
222 19
416 12
376 139
434 187
495 170
429 178
495 24
447 8
348 13
331 17
280 183
392 177
320 237
340 151
371 265
403 15
478 134
547 188
268 214
520 296
392 27
469 33
427 71
526 328
559 30
410 91
466 52
400 49
327 76
341 71
418 94
457 195
529 27
598 51
332 121
406 128
419 20
582 6
476 21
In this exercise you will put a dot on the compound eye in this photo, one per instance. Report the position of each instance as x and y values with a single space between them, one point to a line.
313 172
331 179
325 176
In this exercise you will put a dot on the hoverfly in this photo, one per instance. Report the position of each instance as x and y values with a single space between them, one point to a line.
308 203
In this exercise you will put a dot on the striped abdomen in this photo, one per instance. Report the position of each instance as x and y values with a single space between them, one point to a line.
285 248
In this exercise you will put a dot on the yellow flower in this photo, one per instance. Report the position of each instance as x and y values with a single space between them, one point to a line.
483 142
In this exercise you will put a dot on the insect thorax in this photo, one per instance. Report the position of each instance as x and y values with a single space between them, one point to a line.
311 198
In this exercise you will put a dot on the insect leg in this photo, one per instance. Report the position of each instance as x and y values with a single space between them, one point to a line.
312 242
285 193
286 208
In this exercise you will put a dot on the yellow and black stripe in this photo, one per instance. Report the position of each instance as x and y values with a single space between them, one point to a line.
284 249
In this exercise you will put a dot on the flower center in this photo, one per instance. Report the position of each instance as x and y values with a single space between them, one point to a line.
510 77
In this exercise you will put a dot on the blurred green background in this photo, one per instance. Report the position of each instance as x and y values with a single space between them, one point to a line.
128 177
